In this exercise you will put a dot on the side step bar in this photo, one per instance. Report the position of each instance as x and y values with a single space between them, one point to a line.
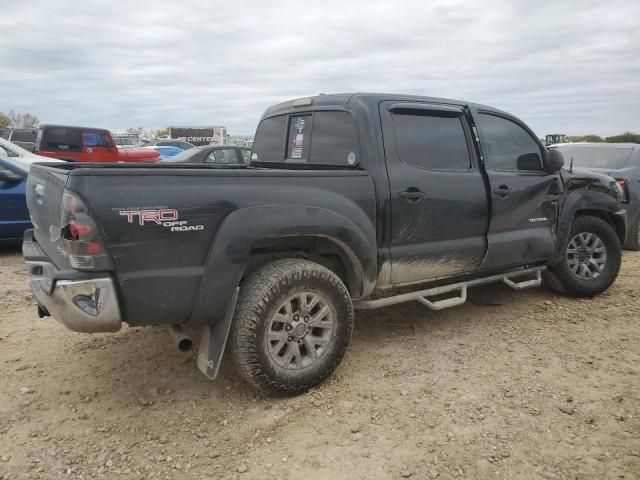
461 288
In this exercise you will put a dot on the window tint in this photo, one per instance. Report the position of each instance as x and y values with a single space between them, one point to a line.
268 145
432 142
66 139
507 146
246 155
595 156
223 155
334 139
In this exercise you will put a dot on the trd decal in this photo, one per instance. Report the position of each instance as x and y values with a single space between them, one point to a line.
157 216
166 217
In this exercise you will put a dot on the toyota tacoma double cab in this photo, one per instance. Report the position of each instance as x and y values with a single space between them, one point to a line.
85 144
347 198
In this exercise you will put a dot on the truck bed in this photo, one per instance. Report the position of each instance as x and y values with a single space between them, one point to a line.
162 261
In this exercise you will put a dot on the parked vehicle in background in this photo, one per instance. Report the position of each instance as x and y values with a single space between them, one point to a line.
167 151
200 135
347 195
220 155
126 140
25 137
85 144
182 144
555 138
620 161
14 167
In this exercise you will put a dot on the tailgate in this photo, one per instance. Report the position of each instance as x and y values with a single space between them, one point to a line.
45 187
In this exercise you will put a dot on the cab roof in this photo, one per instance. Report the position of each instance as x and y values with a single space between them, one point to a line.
343 100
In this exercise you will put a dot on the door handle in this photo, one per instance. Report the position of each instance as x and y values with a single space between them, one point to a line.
502 191
412 195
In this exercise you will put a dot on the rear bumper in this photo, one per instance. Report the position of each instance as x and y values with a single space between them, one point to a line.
88 304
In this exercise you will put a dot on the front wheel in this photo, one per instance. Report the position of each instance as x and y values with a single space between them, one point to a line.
591 258
292 326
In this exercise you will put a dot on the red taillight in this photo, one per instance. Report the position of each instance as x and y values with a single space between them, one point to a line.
81 236
93 248
79 230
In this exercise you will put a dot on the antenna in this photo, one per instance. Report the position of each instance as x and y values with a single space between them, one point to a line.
571 165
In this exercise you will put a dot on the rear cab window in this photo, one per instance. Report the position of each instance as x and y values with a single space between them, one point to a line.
321 138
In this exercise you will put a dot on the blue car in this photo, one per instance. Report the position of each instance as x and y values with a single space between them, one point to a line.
167 151
14 168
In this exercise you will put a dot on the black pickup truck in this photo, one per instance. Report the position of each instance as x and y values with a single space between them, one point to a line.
347 198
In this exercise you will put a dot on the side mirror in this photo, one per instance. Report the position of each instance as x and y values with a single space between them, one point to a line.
553 161
10 177
530 162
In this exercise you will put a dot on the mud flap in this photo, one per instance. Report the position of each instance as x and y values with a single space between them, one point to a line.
213 341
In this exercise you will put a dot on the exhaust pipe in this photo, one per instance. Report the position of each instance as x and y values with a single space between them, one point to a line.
183 341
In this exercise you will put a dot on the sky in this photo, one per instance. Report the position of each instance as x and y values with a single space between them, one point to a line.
568 67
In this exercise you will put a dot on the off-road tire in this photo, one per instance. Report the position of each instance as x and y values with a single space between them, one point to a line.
569 283
260 297
633 237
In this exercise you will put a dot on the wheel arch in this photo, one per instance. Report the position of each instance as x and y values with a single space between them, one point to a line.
584 202
249 237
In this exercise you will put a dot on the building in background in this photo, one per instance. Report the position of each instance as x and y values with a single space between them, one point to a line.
200 135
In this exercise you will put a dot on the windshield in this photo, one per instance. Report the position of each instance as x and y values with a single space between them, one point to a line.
184 156
595 156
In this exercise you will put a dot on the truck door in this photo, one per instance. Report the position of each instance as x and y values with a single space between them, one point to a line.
524 198
438 200
97 146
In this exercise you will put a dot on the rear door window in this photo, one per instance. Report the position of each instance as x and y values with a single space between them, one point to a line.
431 142
65 139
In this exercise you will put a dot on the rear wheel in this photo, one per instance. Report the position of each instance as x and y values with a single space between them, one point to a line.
591 258
292 326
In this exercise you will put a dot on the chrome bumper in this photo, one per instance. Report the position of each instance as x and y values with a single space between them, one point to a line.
89 306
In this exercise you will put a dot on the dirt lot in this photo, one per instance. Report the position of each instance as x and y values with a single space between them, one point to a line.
512 385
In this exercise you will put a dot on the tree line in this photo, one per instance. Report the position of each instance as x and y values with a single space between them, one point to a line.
26 120
626 137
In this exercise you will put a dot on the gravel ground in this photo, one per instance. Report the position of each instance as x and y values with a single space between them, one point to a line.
511 385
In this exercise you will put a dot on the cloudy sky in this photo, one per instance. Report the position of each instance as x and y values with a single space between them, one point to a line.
567 67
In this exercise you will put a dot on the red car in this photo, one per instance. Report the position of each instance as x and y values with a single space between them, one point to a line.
79 144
